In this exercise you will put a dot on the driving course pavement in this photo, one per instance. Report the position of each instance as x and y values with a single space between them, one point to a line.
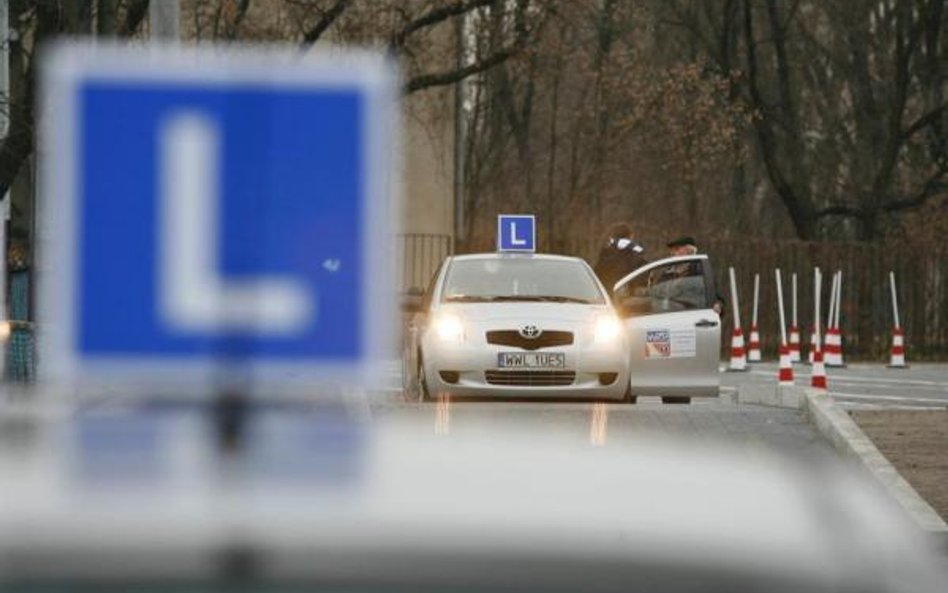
754 429
857 386
863 385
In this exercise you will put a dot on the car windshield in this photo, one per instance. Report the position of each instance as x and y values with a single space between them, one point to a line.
495 279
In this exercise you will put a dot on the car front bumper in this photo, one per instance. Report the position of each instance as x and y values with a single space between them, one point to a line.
477 373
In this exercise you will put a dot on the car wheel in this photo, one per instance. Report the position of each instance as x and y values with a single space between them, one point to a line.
676 400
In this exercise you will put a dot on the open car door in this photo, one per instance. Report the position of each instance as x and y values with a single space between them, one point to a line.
674 333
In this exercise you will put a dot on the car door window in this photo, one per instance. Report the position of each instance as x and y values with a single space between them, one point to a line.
676 286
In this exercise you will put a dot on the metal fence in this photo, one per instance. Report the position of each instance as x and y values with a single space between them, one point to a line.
418 257
865 315
21 344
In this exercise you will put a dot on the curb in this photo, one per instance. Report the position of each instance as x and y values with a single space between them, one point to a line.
851 442
842 432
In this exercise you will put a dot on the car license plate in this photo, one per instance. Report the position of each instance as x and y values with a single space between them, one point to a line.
531 360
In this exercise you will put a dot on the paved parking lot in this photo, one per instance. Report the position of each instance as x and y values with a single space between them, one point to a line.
754 428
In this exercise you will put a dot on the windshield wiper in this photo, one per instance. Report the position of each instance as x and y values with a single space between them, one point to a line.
564 299
540 298
468 298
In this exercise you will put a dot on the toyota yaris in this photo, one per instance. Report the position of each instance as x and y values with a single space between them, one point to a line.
516 325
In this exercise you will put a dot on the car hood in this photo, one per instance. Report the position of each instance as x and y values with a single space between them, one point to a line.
525 312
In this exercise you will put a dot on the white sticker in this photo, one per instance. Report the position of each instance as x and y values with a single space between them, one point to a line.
670 343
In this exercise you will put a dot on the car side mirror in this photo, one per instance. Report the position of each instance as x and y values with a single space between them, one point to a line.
412 300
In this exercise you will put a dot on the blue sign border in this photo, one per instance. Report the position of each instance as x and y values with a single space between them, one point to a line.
66 66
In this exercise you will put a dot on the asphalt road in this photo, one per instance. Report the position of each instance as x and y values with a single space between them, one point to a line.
750 428
857 386
863 385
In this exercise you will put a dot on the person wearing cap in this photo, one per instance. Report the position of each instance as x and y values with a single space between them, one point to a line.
686 245
619 257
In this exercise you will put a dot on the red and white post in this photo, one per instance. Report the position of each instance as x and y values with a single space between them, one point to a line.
897 354
815 335
785 374
738 356
753 350
794 328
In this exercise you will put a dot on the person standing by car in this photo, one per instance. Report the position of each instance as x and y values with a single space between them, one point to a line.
620 256
688 246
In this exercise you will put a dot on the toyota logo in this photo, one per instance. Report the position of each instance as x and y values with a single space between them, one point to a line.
531 332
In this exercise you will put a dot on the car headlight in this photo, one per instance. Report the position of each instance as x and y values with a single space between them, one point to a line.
449 328
608 328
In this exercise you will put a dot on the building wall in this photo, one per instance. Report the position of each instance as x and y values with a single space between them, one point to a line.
428 162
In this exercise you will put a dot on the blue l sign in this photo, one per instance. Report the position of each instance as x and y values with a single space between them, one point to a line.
516 232
209 212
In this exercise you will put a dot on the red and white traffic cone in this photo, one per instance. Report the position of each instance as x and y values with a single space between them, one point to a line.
753 348
785 374
738 357
897 355
834 348
794 344
818 375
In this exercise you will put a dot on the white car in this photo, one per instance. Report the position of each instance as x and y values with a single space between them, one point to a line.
516 325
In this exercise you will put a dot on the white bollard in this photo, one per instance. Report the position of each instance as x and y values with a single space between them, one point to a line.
794 343
897 353
738 358
817 291
785 373
753 351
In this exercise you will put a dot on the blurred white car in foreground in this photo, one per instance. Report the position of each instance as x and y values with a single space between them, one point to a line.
146 504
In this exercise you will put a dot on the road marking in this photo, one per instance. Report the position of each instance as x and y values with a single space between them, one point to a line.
887 407
894 398
848 378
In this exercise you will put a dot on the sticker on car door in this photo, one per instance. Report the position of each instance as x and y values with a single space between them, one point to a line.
670 343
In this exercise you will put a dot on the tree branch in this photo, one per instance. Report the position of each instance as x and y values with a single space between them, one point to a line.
425 81
923 122
933 186
453 76
436 16
326 21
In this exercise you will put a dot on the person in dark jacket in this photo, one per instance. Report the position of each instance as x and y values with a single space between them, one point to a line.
621 256
688 246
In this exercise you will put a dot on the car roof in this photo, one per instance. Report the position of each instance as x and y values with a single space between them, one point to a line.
526 256
489 494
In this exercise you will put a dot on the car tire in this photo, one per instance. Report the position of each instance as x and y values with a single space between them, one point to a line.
675 400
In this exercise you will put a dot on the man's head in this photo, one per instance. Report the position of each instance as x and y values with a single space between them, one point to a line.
620 231
682 246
